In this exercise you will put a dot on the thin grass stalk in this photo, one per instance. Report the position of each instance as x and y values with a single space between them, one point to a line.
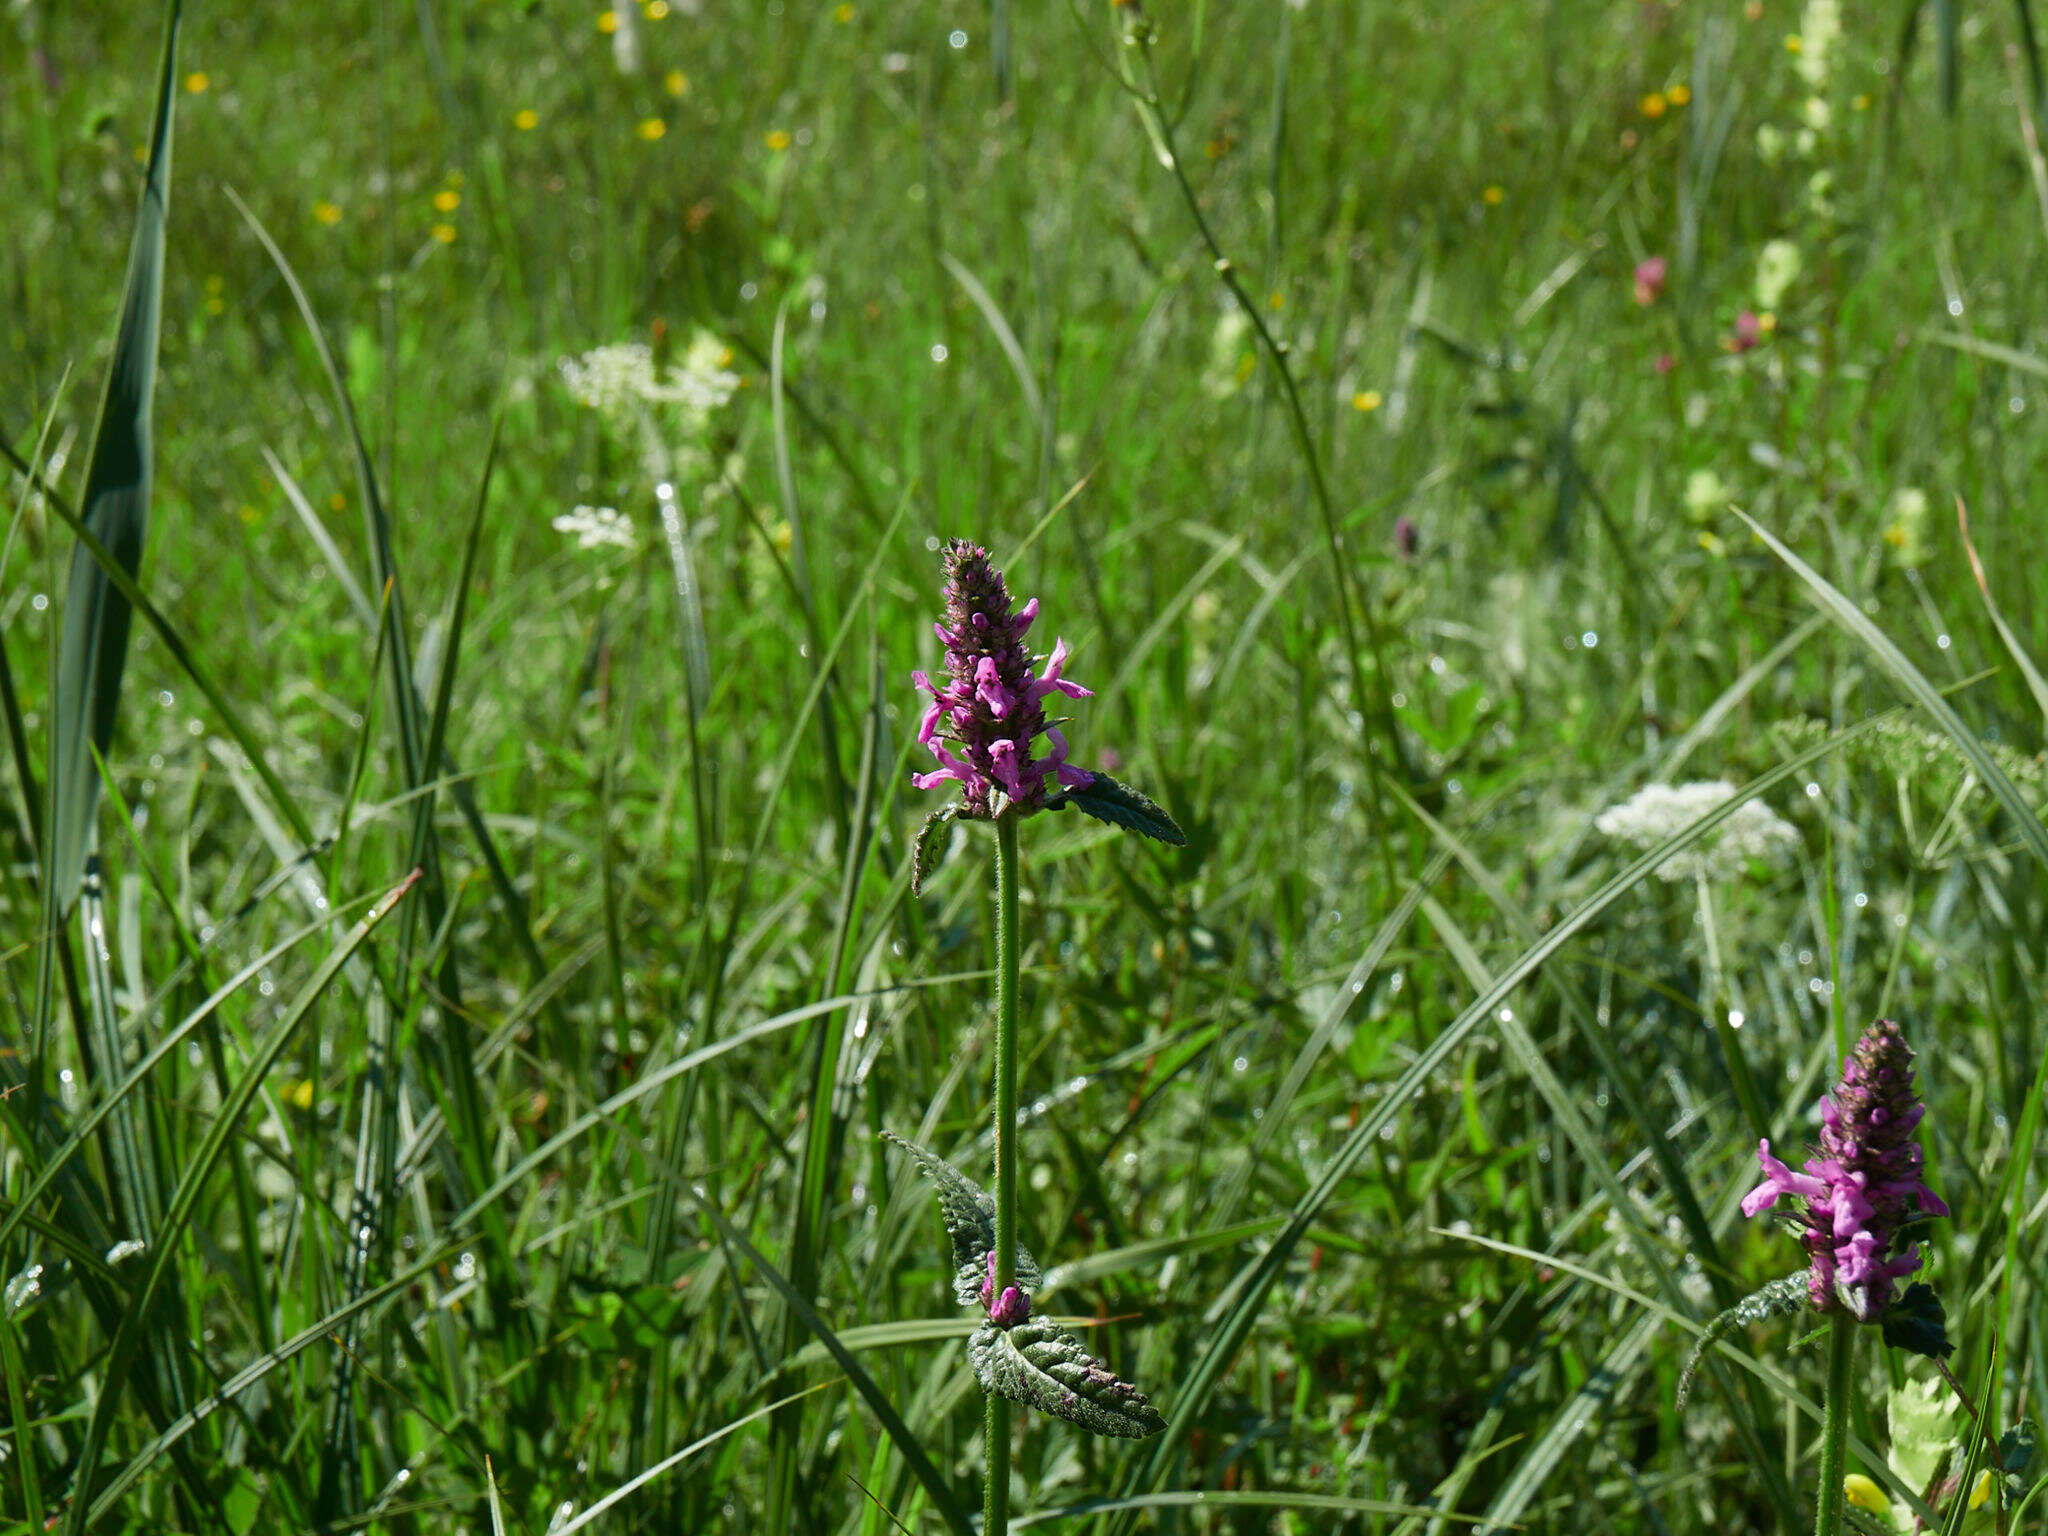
1834 1440
1009 946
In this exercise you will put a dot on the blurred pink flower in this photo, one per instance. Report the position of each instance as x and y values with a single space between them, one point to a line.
1749 330
1650 275
1666 362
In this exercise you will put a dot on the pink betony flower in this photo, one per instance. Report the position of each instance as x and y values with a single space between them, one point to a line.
1862 1187
985 721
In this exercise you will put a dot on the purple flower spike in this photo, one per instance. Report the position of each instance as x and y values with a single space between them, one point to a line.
1862 1186
985 721
1008 1309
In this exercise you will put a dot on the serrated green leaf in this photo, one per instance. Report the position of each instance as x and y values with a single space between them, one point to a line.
969 1213
932 838
1783 1296
1041 1365
1113 801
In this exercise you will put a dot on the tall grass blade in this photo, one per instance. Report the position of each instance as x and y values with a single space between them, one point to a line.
1849 616
115 506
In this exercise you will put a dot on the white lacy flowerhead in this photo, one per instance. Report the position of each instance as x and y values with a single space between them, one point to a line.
596 527
1658 811
615 378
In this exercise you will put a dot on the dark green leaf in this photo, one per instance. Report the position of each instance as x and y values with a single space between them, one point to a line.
1041 1365
115 508
969 1213
1115 802
932 838
1917 1323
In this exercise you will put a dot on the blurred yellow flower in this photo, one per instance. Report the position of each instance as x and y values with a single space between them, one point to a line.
445 233
337 502
657 9
1792 43
1865 1494
326 213
777 140
1276 300
526 119
1861 103
1767 322
246 513
447 200
197 82
1366 400
676 81
1492 196
216 305
1980 1491
1653 105
300 1095
842 14
652 129
1678 95
608 22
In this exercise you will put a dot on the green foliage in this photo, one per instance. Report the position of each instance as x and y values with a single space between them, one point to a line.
1390 1126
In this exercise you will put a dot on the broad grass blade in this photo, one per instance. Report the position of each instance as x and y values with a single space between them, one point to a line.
115 507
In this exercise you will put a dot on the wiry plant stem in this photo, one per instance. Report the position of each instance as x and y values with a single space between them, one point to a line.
996 1422
1834 1443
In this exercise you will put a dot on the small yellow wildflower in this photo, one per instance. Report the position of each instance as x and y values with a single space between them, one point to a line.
1276 300
1792 43
526 119
608 22
1710 542
1865 1494
842 14
216 306
652 129
247 514
337 502
677 82
447 200
1653 105
197 82
1366 400
1679 95
326 213
777 140
1767 322
1980 1491
1860 102
300 1095
445 233
657 9
1492 196
781 536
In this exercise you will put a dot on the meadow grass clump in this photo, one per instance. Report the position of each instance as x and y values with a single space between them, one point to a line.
1542 502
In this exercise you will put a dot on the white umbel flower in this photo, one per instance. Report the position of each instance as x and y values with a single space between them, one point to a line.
597 527
1657 812
616 378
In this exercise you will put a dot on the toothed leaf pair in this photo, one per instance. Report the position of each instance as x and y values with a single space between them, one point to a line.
1036 1362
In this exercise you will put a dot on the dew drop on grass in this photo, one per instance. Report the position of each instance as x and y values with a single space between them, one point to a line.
1736 1018
957 38
24 1289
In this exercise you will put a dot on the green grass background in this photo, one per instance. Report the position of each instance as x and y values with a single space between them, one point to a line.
1362 1275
